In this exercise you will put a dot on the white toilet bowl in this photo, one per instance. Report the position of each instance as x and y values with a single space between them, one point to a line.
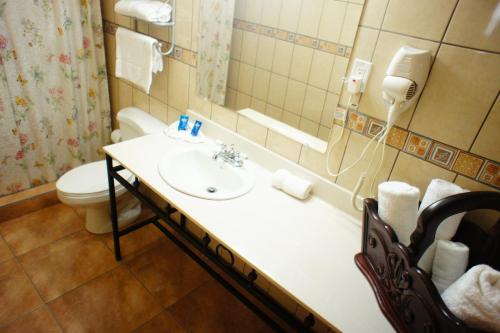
87 186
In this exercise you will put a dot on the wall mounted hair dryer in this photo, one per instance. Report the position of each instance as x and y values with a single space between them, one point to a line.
404 80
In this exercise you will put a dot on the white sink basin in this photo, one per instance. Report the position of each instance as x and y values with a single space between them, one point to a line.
194 172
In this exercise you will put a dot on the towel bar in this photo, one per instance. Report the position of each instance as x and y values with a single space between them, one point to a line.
405 293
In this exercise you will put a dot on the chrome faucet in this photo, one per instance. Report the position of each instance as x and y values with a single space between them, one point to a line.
229 155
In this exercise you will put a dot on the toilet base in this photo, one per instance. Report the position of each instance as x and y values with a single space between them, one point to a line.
98 217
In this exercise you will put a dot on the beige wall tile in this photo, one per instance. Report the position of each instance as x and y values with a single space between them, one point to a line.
388 44
110 47
301 63
355 146
338 74
252 131
195 25
160 83
449 93
473 25
233 74
265 52
261 83
273 111
373 13
317 162
351 22
295 94
283 146
423 18
196 103
487 142
308 21
183 23
290 119
253 12
230 101
245 78
332 19
258 105
314 103
323 133
308 126
321 68
236 44
224 116
282 57
328 114
178 85
243 101
277 90
172 115
290 13
140 100
125 94
249 47
417 172
271 13
158 109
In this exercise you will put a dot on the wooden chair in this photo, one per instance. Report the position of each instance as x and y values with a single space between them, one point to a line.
405 293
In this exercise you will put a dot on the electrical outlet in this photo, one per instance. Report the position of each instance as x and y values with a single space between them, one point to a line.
361 69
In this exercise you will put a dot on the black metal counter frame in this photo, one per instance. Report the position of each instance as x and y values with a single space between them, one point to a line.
246 282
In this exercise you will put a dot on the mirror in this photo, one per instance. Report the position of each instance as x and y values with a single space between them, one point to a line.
288 60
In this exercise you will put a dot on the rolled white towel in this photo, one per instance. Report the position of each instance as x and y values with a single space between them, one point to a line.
475 298
291 184
397 206
437 190
450 262
146 10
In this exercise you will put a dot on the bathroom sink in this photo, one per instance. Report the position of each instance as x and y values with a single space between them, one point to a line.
193 171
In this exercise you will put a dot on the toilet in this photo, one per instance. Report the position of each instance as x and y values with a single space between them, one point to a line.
86 186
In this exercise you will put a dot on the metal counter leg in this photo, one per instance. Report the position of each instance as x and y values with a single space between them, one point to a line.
112 206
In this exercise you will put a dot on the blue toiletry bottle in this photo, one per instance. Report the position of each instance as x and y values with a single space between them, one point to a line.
196 128
183 122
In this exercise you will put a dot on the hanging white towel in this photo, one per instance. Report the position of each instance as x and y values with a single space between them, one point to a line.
397 206
137 58
146 10
475 298
437 190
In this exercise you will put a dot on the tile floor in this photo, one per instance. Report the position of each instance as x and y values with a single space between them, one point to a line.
57 277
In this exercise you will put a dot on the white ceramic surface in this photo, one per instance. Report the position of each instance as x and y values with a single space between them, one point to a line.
193 171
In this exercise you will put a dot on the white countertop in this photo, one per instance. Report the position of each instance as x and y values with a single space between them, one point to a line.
306 248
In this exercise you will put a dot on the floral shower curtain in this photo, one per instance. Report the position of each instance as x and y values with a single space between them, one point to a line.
54 103
216 28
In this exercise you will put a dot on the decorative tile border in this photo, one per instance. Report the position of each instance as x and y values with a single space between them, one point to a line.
186 56
417 145
292 37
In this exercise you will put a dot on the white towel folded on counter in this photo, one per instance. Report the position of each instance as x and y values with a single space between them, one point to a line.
437 190
475 298
137 58
450 263
291 184
398 206
146 10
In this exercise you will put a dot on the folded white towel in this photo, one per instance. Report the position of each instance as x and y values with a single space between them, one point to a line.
293 185
450 262
397 206
146 10
137 58
437 190
475 298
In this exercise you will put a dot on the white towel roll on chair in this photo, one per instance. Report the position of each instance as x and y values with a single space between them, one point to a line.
450 262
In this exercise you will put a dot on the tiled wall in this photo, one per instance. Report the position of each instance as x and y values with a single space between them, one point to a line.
288 60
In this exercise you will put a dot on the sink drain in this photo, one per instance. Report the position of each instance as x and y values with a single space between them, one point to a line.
211 189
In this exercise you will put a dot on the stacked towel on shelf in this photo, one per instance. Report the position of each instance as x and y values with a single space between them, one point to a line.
291 184
450 263
146 10
437 190
475 298
397 206
137 58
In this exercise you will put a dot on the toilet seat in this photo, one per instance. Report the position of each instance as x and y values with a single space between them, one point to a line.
88 184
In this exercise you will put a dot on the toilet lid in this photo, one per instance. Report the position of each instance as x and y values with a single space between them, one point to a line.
88 178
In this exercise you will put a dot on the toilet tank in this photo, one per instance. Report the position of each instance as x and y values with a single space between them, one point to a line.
134 123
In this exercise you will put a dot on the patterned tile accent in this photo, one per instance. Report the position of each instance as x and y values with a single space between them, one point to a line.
442 155
397 137
467 164
417 145
490 174
307 41
356 122
374 127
